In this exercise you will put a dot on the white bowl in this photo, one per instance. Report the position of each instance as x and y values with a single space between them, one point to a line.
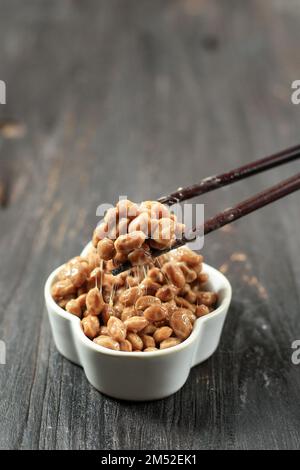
139 376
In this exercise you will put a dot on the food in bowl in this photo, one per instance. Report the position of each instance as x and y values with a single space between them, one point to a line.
152 306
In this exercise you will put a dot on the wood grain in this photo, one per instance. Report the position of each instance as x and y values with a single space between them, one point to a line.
139 98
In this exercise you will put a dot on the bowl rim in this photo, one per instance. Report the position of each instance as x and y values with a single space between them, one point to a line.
75 321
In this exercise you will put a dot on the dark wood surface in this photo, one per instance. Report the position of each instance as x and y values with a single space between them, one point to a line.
139 97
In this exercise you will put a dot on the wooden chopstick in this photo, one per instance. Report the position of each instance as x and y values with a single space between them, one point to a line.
230 215
218 181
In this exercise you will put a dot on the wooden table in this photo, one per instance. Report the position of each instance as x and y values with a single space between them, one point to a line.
137 98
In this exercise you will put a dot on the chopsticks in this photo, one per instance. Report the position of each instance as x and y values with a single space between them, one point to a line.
243 208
